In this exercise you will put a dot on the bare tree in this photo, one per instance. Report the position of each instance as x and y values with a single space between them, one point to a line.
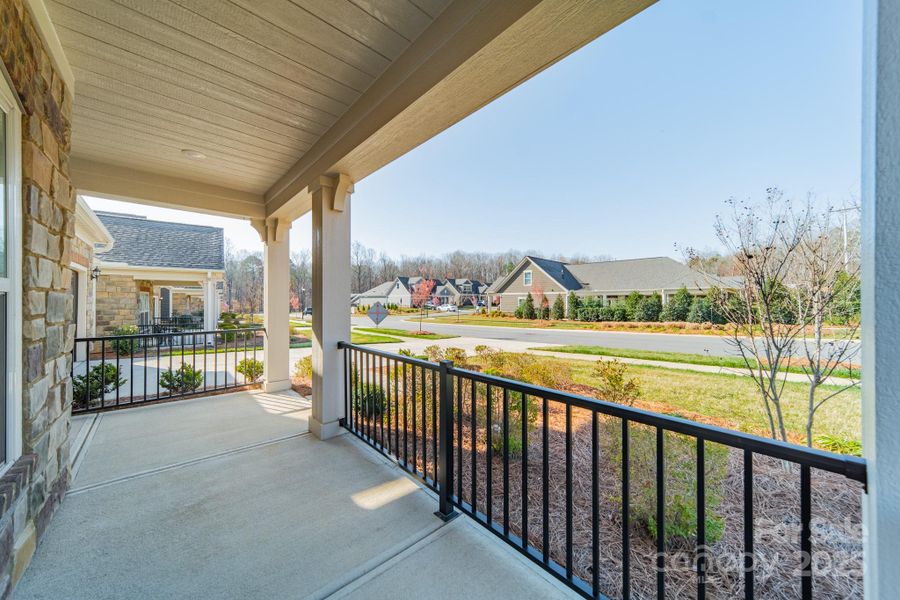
790 274
421 292
824 275
763 241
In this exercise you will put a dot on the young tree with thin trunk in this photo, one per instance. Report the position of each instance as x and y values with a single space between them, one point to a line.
421 292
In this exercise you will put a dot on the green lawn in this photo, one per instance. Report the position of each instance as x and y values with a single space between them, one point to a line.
368 338
730 401
689 328
405 333
730 362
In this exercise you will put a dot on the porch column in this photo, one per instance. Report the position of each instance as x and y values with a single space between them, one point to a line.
880 276
210 309
330 300
276 297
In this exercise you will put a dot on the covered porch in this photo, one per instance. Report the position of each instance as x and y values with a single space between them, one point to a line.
231 497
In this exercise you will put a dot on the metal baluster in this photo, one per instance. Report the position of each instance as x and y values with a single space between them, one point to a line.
459 438
569 533
387 400
489 463
660 514
524 418
102 374
396 413
626 509
434 422
131 369
424 425
701 519
595 508
444 461
806 574
414 417
215 361
505 461
103 380
474 434
405 421
749 565
545 479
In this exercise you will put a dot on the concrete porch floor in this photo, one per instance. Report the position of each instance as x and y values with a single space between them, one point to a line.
230 497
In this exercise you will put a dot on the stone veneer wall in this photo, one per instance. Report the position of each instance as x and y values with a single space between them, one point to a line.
32 489
117 302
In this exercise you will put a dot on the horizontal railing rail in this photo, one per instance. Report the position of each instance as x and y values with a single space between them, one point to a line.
554 474
110 372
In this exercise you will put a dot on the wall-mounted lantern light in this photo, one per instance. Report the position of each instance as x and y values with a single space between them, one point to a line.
95 273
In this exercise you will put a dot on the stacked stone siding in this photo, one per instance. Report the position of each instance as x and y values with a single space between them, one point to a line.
117 302
35 484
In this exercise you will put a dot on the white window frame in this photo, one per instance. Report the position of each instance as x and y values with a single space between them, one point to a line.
12 284
521 301
527 278
149 311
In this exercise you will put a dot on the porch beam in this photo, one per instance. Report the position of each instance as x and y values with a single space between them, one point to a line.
330 200
880 276
92 178
276 294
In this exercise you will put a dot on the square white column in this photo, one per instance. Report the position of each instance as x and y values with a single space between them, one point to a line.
276 298
330 301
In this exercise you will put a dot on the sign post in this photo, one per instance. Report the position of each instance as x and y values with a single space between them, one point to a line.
378 313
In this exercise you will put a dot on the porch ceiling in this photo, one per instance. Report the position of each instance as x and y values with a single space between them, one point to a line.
276 93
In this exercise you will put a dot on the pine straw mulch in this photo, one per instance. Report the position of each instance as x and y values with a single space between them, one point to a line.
837 529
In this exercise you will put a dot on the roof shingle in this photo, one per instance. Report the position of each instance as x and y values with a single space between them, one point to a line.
142 242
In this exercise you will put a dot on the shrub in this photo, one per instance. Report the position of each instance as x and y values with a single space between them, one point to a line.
403 352
457 355
620 312
679 306
226 335
369 401
680 454
631 303
528 311
648 309
574 305
183 380
433 352
100 380
123 347
703 311
615 384
303 368
251 369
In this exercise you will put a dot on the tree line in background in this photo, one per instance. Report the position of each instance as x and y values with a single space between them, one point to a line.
370 268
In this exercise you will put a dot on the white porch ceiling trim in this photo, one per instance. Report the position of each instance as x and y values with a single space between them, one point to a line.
47 33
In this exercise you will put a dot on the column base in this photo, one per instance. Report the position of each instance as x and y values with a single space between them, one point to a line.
324 431
276 386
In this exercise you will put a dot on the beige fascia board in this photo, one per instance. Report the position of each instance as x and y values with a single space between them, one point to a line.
90 229
92 178
460 31
47 32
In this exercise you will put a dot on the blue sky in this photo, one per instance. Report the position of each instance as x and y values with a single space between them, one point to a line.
632 144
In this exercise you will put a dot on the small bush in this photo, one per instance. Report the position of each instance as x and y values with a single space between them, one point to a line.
574 305
404 352
369 401
680 454
615 384
457 355
100 380
528 310
434 352
125 347
183 380
303 368
251 369
631 303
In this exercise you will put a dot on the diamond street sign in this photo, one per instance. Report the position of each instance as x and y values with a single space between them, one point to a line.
377 313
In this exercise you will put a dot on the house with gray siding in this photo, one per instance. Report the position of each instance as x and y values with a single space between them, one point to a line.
609 280
457 291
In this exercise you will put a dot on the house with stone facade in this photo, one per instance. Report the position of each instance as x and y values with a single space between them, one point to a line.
155 271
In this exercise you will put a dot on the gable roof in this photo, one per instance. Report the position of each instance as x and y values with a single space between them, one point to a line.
146 243
642 274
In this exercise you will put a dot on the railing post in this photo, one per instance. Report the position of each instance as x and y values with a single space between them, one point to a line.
445 443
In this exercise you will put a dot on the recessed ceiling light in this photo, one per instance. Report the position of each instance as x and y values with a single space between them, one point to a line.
196 154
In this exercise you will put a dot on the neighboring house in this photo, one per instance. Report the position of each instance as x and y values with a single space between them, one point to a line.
156 270
458 291
610 280
91 236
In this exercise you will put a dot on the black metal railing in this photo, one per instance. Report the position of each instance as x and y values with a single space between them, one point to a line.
177 324
111 372
613 500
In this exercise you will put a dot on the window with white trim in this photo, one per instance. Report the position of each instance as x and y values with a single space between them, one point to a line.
521 301
526 278
10 276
